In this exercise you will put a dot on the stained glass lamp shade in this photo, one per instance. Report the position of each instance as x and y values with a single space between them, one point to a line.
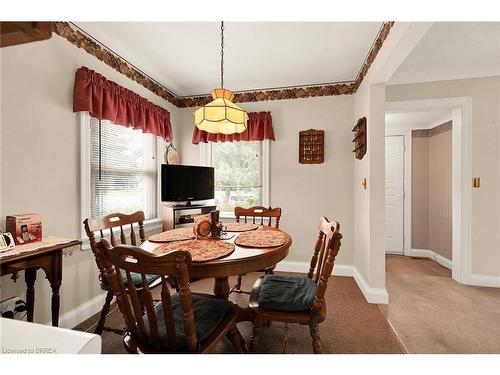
221 115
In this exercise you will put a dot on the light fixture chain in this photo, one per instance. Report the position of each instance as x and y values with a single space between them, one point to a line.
222 54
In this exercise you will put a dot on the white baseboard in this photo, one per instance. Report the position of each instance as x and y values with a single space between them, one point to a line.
426 253
484 280
288 266
473 279
343 270
87 309
372 295
84 311
303 267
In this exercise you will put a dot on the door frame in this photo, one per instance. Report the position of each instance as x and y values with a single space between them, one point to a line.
406 132
461 108
395 133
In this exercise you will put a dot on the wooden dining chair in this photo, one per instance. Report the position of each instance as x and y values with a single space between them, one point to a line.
181 322
256 215
298 299
108 226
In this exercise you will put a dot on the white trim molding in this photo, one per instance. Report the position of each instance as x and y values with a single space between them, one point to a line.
84 124
484 280
406 132
81 313
372 295
205 159
438 258
83 119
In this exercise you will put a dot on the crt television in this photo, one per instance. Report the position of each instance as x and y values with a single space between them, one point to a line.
186 183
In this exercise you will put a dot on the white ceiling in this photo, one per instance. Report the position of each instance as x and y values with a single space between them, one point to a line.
421 120
185 56
453 50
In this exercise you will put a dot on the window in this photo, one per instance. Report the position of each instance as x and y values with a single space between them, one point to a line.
241 174
123 170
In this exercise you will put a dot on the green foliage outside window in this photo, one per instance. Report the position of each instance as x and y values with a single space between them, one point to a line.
237 174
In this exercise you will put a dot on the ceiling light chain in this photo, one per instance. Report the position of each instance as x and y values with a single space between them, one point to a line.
222 54
221 115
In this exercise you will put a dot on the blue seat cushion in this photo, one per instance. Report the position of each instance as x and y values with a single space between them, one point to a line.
208 313
286 293
137 278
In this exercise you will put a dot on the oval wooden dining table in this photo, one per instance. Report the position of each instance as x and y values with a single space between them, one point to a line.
241 261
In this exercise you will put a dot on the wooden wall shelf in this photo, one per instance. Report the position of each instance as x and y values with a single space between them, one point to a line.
13 33
360 138
311 146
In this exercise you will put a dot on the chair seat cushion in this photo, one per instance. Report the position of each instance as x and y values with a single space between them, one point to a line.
286 293
208 313
137 278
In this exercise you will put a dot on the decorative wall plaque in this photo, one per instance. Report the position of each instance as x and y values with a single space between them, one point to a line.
360 138
311 146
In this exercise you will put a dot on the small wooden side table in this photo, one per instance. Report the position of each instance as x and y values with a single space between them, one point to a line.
170 221
47 258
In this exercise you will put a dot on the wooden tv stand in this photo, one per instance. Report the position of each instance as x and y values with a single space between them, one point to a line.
170 218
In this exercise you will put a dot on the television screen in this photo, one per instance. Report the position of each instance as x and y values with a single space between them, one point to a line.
186 183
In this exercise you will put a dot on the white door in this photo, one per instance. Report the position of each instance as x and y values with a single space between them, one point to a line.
394 194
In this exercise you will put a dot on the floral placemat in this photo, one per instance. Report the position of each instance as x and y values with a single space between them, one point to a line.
261 238
240 227
201 250
179 234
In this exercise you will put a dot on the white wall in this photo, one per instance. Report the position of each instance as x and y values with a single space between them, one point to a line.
304 192
485 205
40 155
369 218
369 224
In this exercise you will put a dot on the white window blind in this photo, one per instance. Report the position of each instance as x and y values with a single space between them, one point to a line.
238 174
123 170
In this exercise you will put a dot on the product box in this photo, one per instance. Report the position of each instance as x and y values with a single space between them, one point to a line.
25 228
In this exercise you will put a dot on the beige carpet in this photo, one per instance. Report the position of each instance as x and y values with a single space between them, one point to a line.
352 324
433 313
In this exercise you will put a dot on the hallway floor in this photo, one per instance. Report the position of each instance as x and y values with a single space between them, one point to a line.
432 313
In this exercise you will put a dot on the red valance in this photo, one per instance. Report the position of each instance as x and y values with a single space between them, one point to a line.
259 127
106 100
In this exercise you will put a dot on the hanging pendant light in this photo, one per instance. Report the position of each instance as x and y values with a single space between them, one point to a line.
221 115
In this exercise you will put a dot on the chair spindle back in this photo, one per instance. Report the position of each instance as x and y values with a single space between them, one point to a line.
133 259
105 227
258 212
325 251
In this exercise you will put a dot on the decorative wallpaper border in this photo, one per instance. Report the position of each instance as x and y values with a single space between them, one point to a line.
433 131
74 36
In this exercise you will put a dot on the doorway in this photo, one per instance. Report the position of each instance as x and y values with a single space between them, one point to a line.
394 194
459 109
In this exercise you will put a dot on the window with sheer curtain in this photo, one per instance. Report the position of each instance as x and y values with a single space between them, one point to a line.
123 171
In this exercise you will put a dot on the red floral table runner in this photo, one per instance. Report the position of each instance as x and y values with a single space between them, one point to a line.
201 250
261 238
179 234
240 227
